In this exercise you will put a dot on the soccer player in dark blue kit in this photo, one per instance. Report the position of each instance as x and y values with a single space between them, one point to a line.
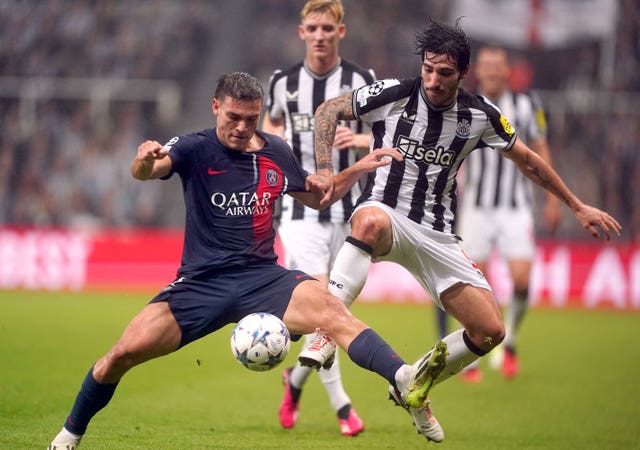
231 176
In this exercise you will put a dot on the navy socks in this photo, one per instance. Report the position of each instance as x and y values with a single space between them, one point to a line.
93 396
371 352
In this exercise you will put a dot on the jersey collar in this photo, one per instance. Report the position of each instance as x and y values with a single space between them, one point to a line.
321 77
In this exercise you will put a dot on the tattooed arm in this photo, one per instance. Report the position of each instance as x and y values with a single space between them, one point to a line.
326 120
541 173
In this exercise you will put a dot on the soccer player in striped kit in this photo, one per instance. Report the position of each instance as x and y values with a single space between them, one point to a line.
407 211
312 238
496 202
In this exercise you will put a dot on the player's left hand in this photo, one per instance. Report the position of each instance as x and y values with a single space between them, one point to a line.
377 158
592 218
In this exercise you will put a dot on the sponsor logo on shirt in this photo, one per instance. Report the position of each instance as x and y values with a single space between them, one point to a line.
242 203
301 122
413 149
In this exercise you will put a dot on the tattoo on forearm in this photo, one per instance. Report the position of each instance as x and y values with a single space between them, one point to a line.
325 122
537 176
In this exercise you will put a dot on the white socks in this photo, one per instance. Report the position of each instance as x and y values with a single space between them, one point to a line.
515 313
331 379
460 356
349 273
65 436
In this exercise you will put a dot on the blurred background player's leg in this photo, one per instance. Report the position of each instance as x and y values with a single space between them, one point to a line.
442 319
515 312
295 377
313 257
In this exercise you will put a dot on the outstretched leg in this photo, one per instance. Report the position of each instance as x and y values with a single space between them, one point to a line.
152 333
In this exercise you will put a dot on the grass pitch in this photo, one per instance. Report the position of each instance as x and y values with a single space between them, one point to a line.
578 386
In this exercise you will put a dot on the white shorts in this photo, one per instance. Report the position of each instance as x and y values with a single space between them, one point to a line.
510 231
435 259
312 246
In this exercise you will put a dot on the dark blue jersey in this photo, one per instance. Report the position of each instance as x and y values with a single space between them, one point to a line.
229 197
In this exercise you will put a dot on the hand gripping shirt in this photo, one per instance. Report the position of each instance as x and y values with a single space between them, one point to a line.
229 197
434 142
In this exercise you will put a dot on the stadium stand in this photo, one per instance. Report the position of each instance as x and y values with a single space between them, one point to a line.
72 109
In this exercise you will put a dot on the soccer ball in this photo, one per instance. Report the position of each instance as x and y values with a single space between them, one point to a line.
260 341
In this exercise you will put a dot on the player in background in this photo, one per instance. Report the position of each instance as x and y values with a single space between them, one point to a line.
231 177
496 207
407 211
294 94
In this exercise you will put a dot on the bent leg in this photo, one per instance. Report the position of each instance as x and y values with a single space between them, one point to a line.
153 332
476 309
371 235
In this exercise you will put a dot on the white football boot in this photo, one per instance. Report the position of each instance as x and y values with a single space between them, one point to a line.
414 385
320 354
62 446
65 440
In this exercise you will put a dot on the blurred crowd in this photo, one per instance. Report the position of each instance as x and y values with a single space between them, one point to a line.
69 171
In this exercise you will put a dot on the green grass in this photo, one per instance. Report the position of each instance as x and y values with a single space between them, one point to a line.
578 387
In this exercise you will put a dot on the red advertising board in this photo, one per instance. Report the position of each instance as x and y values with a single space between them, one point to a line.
565 274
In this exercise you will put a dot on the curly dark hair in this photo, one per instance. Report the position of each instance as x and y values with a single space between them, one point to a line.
443 39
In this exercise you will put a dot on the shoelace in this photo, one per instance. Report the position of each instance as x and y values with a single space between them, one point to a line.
320 342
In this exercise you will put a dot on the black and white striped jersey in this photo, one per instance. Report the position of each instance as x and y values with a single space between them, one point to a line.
294 95
491 181
434 142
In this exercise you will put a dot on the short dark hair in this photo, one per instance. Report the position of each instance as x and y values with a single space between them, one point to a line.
443 39
239 86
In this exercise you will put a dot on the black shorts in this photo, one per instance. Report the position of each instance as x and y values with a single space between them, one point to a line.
207 303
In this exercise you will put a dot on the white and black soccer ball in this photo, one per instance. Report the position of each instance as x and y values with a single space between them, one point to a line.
260 341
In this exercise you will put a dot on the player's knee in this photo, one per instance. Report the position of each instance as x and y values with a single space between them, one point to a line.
496 332
369 228
488 334
120 358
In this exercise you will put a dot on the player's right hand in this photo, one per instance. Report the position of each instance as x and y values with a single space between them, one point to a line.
324 182
344 138
151 150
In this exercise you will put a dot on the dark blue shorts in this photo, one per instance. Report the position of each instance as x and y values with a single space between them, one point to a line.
207 303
